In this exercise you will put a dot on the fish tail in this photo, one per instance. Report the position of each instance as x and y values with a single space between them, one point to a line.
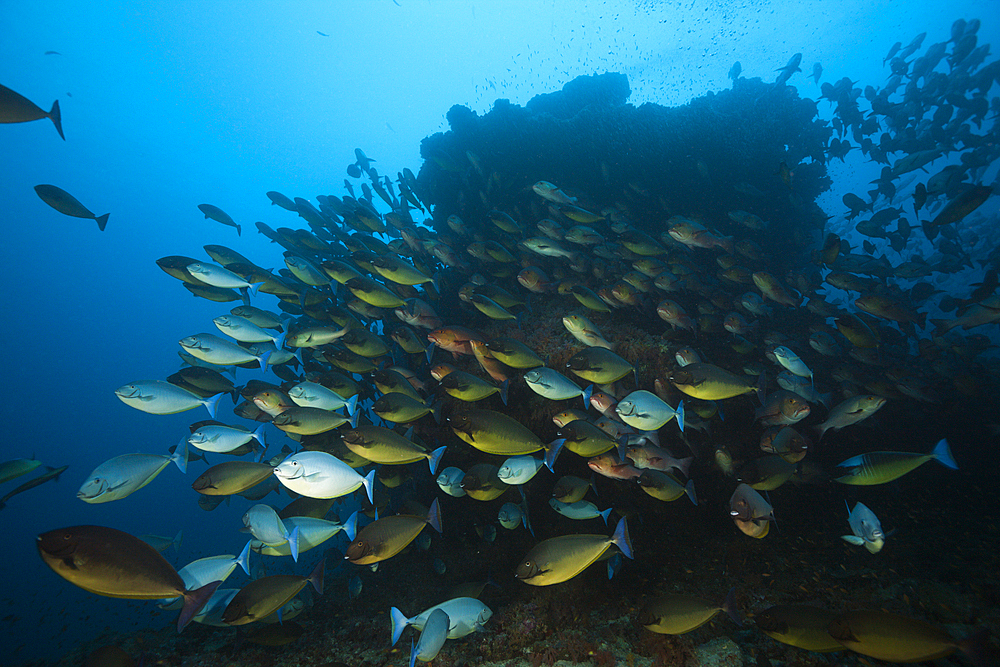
239 231
262 360
352 404
552 453
689 490
180 456
293 544
942 452
605 514
434 516
621 538
102 221
316 577
176 542
212 403
351 526
193 602
587 393
413 653
977 649
258 434
435 458
399 623
369 483
505 390
55 115
729 606
256 286
679 413
244 558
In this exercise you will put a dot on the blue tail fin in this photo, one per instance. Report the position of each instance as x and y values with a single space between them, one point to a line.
552 453
679 414
399 623
351 526
212 402
244 558
943 454
621 538
435 459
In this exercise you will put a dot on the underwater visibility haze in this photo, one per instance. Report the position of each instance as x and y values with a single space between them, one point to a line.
611 333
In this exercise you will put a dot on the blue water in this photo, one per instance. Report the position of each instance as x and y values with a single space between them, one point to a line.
169 105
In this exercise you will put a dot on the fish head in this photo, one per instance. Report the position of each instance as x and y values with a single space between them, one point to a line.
289 469
128 391
358 549
196 268
461 423
191 343
626 408
769 621
681 377
484 615
527 569
59 544
92 489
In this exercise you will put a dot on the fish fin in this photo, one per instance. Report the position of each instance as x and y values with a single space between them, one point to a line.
258 434
621 538
413 653
352 406
176 542
552 453
587 393
316 577
852 462
504 390
853 539
689 490
605 514
369 483
256 286
212 403
354 419
293 543
244 558
429 352
434 516
399 623
351 526
729 606
977 649
593 483
435 458
622 449
180 455
102 221
193 602
55 115
614 563
942 453
679 414
239 231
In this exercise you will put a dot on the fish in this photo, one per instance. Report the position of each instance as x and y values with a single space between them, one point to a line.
16 467
664 486
581 510
389 535
262 597
555 386
231 477
571 489
205 571
386 447
63 201
711 383
267 528
224 439
866 528
883 467
50 474
585 331
162 398
15 108
850 411
494 433
112 563
432 637
896 638
321 475
802 626
559 559
312 532
750 511
450 481
519 469
123 475
674 614
646 411
217 214
552 193
466 615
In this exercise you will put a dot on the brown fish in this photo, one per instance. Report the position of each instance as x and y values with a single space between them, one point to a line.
262 597
15 108
389 535
108 562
